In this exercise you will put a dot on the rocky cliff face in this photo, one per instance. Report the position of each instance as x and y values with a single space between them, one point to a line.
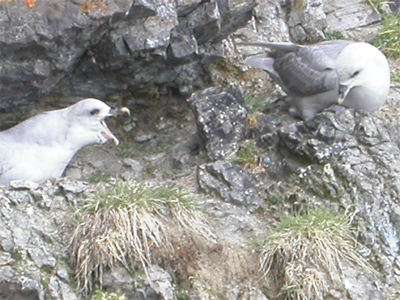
110 48
160 58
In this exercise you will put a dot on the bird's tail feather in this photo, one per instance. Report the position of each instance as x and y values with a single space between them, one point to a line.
285 47
261 62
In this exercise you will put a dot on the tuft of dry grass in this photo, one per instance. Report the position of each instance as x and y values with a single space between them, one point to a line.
125 224
304 250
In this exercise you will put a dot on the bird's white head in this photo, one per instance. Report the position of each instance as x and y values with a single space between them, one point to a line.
364 77
87 121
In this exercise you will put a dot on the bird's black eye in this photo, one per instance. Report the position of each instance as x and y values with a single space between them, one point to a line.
94 111
355 74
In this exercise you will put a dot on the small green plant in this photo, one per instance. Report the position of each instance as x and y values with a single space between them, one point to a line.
255 104
247 154
125 223
377 5
275 200
304 249
98 177
183 294
388 39
19 254
334 36
107 295
129 148
396 77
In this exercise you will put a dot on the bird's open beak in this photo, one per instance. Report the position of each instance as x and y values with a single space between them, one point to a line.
107 134
114 112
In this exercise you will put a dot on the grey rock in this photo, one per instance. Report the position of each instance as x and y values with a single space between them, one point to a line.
395 6
6 241
348 157
205 21
185 153
268 24
60 290
135 165
23 286
144 137
161 282
230 182
42 257
33 35
345 15
63 273
5 258
307 20
18 197
142 9
183 44
221 119
23 185
311 20
118 277
58 45
185 7
74 187
234 15
31 237
338 159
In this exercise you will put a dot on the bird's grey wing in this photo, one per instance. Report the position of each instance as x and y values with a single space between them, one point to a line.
280 47
261 62
307 72
332 49
267 64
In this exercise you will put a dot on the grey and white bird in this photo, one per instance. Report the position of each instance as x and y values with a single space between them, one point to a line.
352 74
41 147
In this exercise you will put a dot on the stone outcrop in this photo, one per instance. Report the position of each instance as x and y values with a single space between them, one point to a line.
221 118
100 49
343 158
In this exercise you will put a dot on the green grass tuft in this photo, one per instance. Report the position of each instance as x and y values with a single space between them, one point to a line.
305 249
388 39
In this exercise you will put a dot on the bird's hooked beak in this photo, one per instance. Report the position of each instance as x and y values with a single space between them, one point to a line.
343 91
114 112
119 111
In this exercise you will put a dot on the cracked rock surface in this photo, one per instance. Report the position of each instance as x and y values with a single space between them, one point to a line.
176 65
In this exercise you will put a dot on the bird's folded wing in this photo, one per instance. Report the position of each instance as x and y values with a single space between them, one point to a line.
307 72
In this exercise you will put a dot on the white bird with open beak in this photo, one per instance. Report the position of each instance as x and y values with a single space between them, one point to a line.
41 147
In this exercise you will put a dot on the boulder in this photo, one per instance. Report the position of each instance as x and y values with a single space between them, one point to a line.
221 118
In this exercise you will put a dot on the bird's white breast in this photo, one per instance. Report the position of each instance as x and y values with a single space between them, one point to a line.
35 162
